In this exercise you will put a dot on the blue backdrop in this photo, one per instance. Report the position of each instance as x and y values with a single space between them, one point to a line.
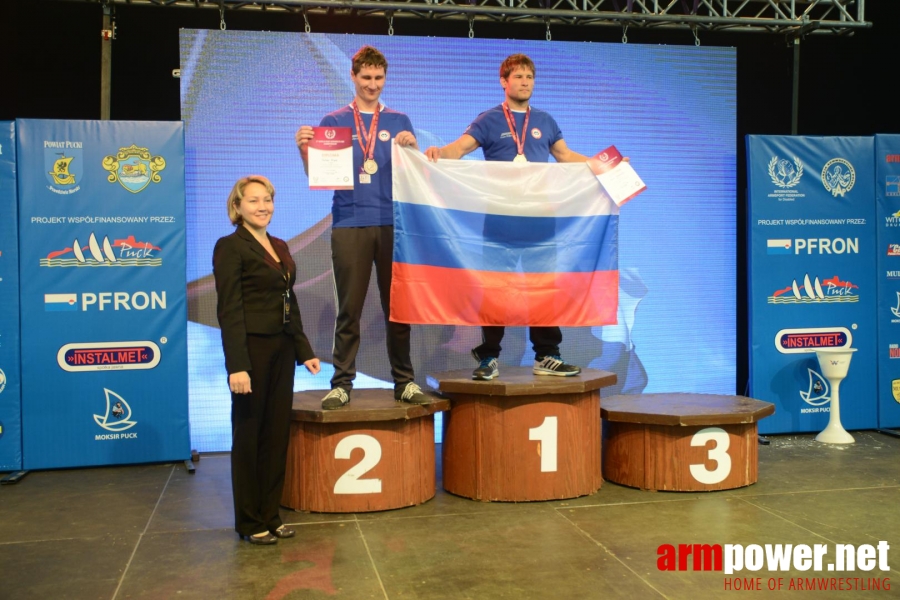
812 279
887 194
10 400
102 255
670 109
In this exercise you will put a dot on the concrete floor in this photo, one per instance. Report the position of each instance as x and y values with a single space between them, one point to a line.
157 532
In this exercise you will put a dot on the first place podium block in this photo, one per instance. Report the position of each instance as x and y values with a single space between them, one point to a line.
372 454
522 437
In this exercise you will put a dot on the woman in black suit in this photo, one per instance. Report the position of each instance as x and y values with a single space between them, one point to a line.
263 337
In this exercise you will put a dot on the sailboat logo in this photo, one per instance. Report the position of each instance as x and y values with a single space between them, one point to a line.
896 310
815 291
127 252
117 409
818 392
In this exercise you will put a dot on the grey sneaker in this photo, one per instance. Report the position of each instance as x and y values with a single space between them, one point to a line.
411 393
554 365
487 369
336 398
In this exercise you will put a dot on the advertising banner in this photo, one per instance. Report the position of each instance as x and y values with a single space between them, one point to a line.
10 399
103 299
887 196
812 279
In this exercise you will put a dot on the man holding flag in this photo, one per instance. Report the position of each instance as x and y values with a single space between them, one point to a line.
515 131
363 227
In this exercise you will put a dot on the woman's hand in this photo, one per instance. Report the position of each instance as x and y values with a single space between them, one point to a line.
239 383
312 365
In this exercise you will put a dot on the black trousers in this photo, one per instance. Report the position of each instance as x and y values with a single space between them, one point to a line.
260 426
544 341
353 252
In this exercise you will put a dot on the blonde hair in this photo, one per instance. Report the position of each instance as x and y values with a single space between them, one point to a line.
237 194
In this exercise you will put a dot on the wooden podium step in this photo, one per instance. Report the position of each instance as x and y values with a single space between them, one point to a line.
373 454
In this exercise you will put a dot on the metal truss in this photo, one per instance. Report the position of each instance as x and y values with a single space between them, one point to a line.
792 18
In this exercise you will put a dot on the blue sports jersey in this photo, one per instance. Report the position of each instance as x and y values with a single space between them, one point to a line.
492 133
368 204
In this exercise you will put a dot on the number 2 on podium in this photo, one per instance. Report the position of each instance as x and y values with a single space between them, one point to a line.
545 433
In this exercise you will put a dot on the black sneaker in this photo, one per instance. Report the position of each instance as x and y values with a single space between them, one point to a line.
411 393
486 370
336 398
554 365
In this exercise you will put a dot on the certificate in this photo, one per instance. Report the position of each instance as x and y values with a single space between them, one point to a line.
616 176
330 159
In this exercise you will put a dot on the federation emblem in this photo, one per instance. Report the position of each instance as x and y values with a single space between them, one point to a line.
63 166
895 389
118 410
384 135
536 133
134 168
329 134
784 173
838 176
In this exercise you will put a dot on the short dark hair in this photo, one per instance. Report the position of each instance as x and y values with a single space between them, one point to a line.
368 56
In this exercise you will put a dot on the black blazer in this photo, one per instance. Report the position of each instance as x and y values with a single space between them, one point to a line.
250 287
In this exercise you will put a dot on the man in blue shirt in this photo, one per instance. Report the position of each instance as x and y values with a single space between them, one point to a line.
363 227
518 132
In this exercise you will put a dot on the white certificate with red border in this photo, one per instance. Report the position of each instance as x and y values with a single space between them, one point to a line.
616 176
330 159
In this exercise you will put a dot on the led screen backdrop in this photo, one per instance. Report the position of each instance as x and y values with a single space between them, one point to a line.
670 109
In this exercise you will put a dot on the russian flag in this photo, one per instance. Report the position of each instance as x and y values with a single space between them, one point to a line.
496 243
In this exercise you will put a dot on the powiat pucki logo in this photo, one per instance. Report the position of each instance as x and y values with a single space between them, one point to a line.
733 559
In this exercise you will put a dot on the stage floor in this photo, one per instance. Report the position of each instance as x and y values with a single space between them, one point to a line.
158 532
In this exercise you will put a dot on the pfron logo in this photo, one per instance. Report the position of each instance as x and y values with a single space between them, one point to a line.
828 290
127 252
108 356
784 173
118 413
802 340
892 185
838 176
103 301
63 165
134 168
2 381
778 246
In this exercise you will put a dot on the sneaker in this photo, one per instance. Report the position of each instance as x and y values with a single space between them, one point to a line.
336 398
487 369
554 365
411 393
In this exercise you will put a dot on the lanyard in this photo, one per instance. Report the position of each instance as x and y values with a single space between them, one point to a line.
366 142
520 142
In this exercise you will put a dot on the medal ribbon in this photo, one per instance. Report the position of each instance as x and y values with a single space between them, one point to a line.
366 142
510 120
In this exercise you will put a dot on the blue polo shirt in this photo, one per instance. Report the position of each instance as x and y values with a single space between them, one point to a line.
492 133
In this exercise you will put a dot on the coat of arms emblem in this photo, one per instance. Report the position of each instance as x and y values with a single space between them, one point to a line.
134 168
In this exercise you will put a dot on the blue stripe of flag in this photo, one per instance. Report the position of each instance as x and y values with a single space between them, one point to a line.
465 240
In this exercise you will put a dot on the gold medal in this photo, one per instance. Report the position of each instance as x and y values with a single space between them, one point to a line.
520 158
370 166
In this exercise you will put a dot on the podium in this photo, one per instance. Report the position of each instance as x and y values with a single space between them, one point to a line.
522 437
682 442
373 454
